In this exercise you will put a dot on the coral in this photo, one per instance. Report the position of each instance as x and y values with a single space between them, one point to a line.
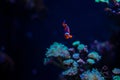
91 75
101 46
76 55
106 1
68 61
94 55
56 50
90 61
81 61
47 60
116 71
113 6
81 47
78 61
116 77
72 67
76 43
71 71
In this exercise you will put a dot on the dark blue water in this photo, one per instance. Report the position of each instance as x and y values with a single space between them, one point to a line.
26 39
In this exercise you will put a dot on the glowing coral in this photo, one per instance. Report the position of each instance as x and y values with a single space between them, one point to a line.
113 6
94 55
116 71
81 47
74 63
106 1
92 75
76 55
56 50
71 71
116 77
72 67
90 61
76 43
68 62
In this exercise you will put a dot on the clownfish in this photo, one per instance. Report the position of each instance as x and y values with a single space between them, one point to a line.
67 34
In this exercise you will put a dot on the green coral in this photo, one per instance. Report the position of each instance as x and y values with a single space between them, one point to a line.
57 50
90 61
94 55
116 77
76 43
106 1
81 47
91 75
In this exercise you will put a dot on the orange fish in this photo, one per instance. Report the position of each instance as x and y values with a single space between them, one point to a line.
67 30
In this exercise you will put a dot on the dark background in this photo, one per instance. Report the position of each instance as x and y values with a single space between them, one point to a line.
25 40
